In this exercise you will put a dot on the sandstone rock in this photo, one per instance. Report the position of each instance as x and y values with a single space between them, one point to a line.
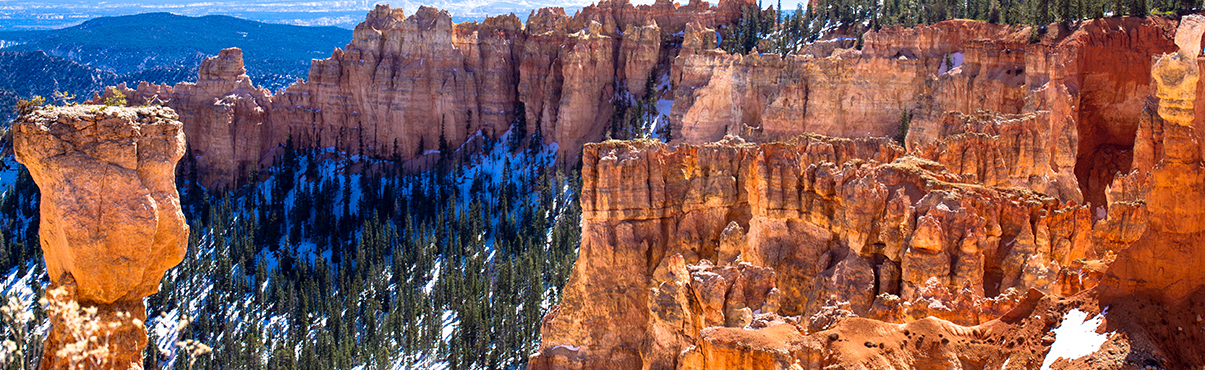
1040 177
640 51
1003 150
820 214
779 346
224 116
1068 106
697 39
855 94
589 81
111 223
732 244
403 82
1163 262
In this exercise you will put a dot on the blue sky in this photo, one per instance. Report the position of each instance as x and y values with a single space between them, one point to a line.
44 14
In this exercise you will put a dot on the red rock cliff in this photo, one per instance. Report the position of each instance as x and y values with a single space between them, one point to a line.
966 249
403 82
1088 85
677 239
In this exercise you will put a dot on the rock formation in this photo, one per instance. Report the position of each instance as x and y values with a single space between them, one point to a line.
111 223
1164 261
403 83
1035 174
963 251
1087 86
719 234
224 116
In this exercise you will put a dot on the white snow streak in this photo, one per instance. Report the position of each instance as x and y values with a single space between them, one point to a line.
1076 337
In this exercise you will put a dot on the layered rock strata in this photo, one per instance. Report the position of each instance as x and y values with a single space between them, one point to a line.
403 83
1165 260
966 251
681 238
111 223
1089 85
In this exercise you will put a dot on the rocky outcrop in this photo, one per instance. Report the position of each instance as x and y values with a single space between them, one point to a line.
963 251
403 83
406 81
1088 85
226 117
111 223
850 93
1165 261
1028 150
681 238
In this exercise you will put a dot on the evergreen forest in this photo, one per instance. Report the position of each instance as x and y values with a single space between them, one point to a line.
784 31
330 261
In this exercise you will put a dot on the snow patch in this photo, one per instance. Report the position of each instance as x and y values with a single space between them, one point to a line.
1076 337
450 322
434 277
953 60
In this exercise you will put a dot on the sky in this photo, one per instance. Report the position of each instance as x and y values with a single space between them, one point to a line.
49 14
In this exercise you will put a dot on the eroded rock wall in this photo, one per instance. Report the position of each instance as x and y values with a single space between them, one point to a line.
1089 83
226 116
1165 261
405 82
802 254
681 238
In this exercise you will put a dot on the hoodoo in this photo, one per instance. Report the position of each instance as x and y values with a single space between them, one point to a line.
947 195
111 224
406 81
977 246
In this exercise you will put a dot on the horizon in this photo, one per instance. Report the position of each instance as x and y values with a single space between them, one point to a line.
60 14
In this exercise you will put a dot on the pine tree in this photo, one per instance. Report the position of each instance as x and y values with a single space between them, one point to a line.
1138 8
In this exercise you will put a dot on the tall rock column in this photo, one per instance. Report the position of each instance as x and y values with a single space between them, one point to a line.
111 223
1166 261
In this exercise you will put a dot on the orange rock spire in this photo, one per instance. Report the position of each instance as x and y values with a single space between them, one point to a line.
111 223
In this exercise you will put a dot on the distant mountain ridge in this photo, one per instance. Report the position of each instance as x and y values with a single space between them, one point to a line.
167 48
57 14
27 73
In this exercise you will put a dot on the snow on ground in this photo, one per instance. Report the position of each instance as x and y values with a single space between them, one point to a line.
501 164
660 116
434 277
8 172
955 58
20 284
165 330
428 359
450 322
1076 337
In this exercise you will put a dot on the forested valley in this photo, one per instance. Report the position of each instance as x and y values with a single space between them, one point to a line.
327 260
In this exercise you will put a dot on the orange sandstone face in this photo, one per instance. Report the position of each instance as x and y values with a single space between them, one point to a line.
110 213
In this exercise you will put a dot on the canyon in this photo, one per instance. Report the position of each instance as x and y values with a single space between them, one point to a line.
967 247
942 196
